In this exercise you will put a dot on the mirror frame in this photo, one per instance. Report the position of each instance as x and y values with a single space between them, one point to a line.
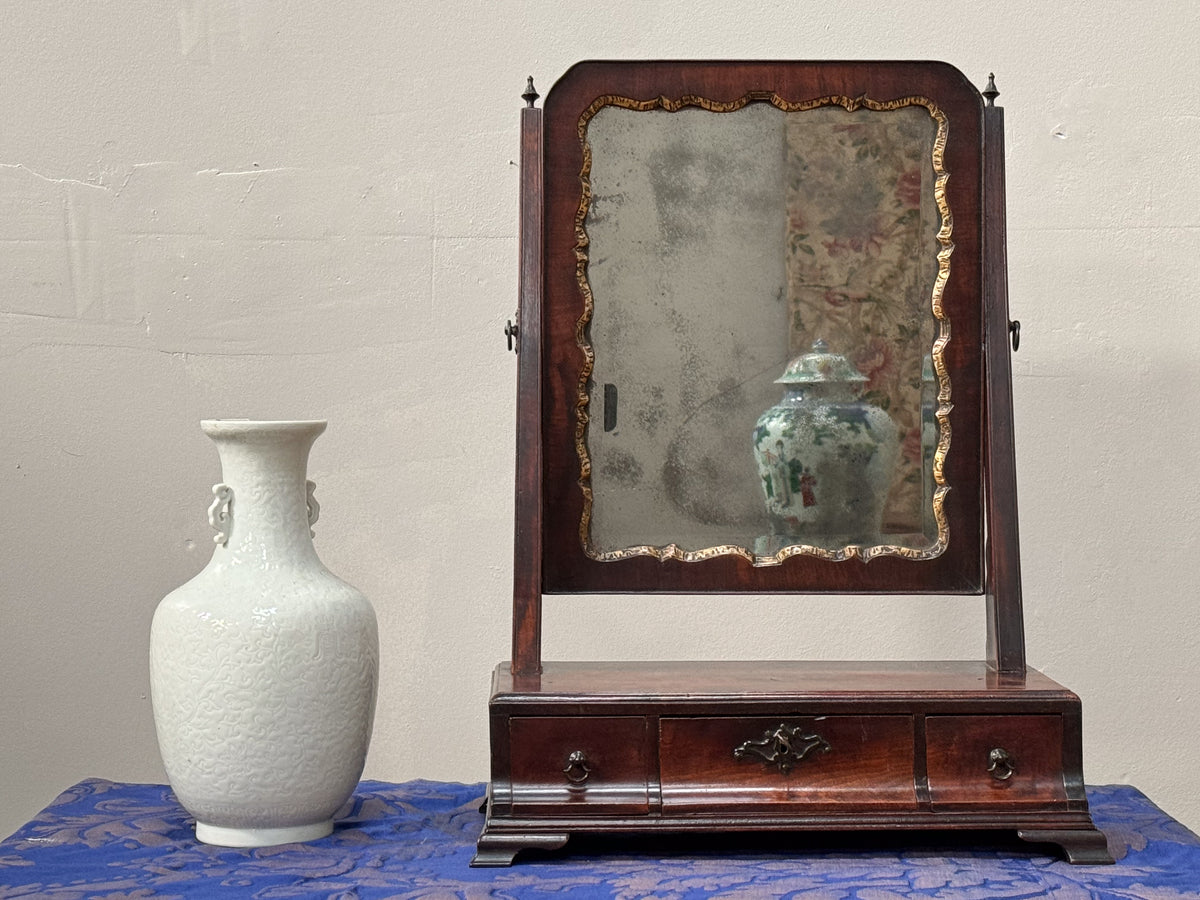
564 488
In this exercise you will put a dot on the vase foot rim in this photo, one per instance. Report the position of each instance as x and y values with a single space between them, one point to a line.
224 836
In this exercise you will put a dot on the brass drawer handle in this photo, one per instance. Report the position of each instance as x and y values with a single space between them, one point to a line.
1000 764
577 769
782 747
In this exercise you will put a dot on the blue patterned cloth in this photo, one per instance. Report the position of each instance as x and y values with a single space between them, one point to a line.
106 841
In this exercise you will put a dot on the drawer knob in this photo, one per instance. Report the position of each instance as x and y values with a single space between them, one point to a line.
1000 764
782 747
577 769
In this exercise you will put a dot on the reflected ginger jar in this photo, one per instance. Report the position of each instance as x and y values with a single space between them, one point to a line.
825 456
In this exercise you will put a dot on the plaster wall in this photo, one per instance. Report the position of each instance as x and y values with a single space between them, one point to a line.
308 209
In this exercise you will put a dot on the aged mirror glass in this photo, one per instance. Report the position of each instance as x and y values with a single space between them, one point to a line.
721 246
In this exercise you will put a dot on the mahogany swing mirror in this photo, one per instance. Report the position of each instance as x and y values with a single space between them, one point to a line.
764 347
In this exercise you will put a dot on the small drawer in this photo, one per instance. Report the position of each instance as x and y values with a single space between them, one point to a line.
790 762
562 764
1005 759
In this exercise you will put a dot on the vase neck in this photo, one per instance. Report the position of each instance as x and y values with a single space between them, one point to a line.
265 465
833 392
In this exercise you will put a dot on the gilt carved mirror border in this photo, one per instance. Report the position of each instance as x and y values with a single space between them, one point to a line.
877 248
582 392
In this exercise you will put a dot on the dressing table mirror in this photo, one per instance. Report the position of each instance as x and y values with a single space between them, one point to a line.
763 347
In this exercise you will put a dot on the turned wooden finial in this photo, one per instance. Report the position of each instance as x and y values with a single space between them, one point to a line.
991 92
530 93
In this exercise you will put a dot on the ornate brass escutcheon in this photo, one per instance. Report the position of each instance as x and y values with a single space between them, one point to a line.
1000 764
577 769
783 747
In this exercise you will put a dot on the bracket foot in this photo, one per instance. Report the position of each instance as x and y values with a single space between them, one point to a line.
1081 846
497 850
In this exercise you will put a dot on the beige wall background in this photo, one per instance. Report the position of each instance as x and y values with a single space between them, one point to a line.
308 209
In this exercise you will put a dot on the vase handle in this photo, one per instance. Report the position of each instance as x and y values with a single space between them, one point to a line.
220 513
314 508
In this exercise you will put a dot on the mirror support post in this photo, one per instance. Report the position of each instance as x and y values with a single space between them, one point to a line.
527 549
1002 578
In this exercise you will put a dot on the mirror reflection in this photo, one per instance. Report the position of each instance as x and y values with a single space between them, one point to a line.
764 319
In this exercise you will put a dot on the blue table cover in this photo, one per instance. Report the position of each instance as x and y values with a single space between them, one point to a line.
114 841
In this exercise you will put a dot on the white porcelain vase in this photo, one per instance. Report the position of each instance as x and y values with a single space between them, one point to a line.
264 667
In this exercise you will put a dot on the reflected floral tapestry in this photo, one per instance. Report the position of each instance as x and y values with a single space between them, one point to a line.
861 268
